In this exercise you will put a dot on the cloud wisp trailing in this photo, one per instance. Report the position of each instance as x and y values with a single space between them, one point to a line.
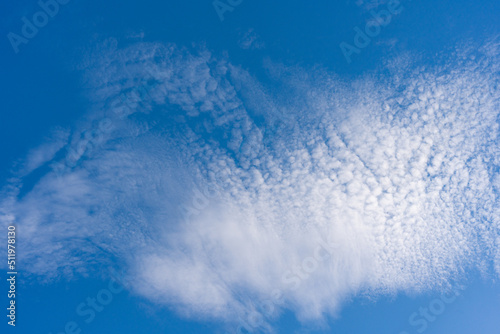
214 186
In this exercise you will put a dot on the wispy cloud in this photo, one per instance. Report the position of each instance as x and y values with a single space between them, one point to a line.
400 172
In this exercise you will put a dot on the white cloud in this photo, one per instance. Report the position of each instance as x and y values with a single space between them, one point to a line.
399 173
46 152
250 40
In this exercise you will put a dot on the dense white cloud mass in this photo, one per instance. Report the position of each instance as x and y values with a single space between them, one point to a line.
216 190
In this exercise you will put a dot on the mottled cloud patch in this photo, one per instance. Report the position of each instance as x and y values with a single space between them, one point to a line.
214 190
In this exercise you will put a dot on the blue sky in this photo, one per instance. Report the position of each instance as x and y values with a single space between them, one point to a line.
210 167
